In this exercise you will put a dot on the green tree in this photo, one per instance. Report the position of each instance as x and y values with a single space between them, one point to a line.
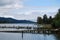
39 20
45 19
56 21
50 20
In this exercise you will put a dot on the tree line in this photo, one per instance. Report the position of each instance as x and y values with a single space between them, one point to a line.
44 20
55 21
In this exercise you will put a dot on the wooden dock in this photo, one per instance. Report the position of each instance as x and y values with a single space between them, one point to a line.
30 31
27 30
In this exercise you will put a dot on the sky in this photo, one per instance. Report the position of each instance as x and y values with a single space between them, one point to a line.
28 9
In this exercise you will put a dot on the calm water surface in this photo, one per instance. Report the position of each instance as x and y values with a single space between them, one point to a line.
26 36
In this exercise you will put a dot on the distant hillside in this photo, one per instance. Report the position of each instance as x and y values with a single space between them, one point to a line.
11 20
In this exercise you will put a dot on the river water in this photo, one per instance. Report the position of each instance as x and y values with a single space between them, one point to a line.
26 36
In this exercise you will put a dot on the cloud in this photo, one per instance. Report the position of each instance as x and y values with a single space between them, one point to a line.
5 2
7 5
9 2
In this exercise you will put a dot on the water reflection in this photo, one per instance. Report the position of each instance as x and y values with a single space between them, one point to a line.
57 36
28 36
22 34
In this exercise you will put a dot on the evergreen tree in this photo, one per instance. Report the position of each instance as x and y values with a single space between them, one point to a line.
39 20
45 19
50 20
56 21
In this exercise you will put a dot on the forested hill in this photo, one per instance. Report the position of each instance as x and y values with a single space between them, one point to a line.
11 20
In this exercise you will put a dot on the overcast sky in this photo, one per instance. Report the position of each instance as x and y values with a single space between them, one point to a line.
28 9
